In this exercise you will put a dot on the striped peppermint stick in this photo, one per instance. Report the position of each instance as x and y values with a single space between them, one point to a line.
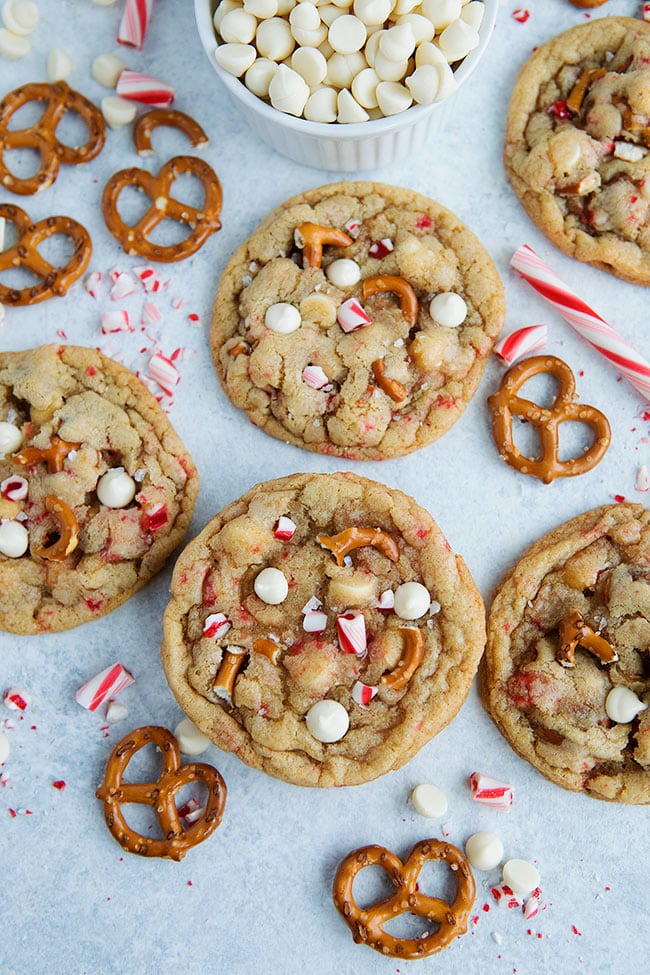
137 87
135 20
583 319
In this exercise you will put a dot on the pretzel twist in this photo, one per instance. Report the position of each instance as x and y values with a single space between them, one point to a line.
24 253
367 924
59 99
177 840
203 222
346 541
314 238
53 455
170 118
406 296
506 404
574 632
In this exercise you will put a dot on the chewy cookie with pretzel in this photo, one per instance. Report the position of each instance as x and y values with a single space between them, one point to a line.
356 321
96 488
577 147
321 628
566 670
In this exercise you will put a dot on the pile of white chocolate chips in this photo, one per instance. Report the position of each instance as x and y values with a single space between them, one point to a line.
346 60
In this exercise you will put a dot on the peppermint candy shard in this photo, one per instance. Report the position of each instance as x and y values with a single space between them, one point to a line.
521 342
14 488
351 316
315 377
116 321
490 792
17 699
116 711
351 629
386 600
284 529
102 686
138 87
164 372
314 622
216 625
362 694
381 248
134 22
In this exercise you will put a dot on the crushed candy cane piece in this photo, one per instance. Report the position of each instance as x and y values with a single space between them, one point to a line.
314 622
138 87
116 321
134 22
116 711
315 377
59 784
17 699
312 604
530 906
642 482
386 600
14 488
351 629
216 625
353 227
521 15
150 314
164 372
284 529
188 807
93 283
102 686
352 316
381 248
490 792
123 286
645 12
505 896
148 277
362 694
522 341
194 814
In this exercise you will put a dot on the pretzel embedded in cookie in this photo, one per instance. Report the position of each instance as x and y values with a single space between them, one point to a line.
506 404
41 137
406 296
53 455
574 632
176 840
24 254
67 535
410 661
367 924
170 118
392 387
313 238
203 221
346 541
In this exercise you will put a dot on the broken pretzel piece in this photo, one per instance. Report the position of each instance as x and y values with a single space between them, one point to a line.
574 632
349 539
315 237
53 455
391 387
410 660
579 90
68 531
406 296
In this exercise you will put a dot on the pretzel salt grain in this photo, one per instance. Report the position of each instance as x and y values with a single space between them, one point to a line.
203 221
506 404
314 238
406 296
367 924
176 840
59 99
24 253
170 118
574 632
346 541
67 531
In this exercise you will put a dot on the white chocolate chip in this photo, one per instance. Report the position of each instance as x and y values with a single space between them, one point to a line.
329 13
404 7
341 68
13 538
622 705
441 13
429 801
372 47
238 27
4 748
106 69
422 27
116 488
59 65
343 273
20 16
311 38
236 59
397 43
628 152
428 53
282 318
224 8
364 87
448 83
288 92
349 110
372 12
10 438
13 46
258 77
457 40
393 98
104 3
310 65
388 70
424 83
521 876
484 851
117 111
190 740
473 13
412 600
262 9
271 586
304 16
285 7
321 106
347 34
274 39
448 309
327 721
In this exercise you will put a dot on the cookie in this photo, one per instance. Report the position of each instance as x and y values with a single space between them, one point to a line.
577 148
96 487
324 330
321 628
565 674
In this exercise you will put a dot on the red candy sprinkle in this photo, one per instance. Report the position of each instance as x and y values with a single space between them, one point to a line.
521 15
59 784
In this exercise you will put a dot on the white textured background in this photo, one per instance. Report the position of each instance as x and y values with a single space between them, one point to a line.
255 897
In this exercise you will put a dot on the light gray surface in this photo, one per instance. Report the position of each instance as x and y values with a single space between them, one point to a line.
255 897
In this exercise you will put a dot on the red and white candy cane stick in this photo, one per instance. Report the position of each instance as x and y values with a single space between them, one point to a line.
583 319
134 23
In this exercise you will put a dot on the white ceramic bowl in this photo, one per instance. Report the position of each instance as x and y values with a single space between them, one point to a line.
333 146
